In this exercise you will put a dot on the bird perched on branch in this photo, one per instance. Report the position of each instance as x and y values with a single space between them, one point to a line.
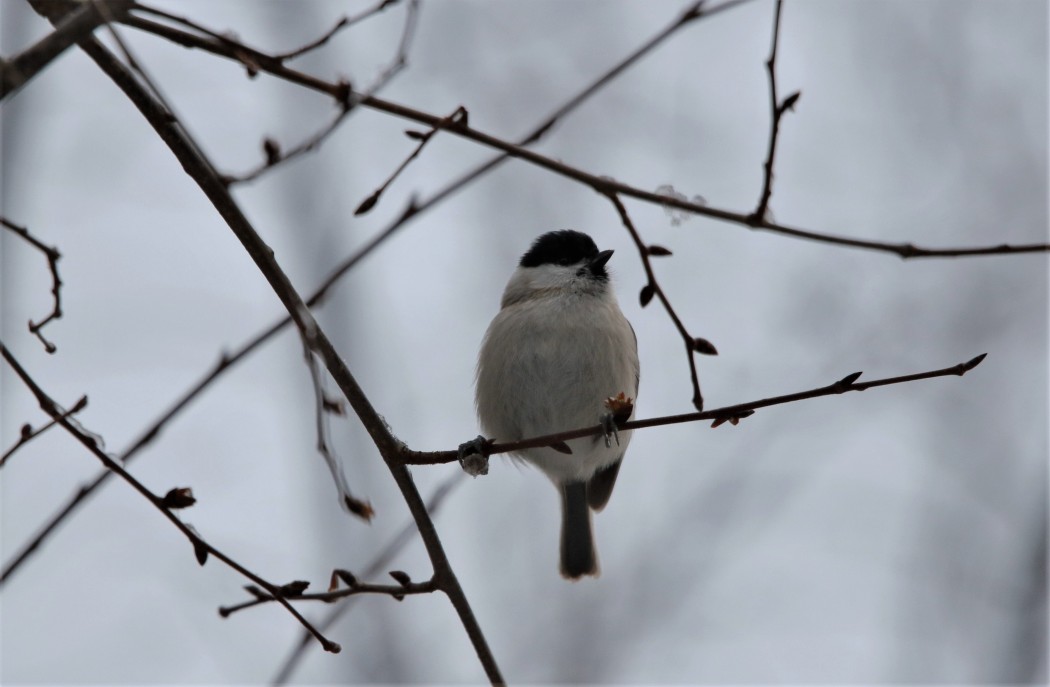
558 356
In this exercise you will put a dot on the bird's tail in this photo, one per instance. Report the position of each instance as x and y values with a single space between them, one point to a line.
578 557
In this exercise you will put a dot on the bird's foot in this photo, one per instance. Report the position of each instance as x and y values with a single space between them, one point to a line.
608 423
473 456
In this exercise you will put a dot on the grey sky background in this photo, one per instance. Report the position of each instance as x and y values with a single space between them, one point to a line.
894 536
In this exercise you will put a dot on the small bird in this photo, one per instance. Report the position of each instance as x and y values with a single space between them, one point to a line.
557 349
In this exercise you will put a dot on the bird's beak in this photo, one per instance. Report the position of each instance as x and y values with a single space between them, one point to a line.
599 260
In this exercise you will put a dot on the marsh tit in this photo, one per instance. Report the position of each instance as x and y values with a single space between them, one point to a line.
557 349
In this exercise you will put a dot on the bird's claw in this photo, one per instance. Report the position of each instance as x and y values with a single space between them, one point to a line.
608 423
473 458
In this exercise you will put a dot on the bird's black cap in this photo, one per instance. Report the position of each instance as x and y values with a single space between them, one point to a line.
565 247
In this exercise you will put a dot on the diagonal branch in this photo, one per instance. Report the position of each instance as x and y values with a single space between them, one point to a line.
323 406
28 433
378 564
718 415
274 155
79 23
201 548
204 174
693 345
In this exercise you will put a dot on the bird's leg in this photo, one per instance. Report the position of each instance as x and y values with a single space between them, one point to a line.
620 406
608 423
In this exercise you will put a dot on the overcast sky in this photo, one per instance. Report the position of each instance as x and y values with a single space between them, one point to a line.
897 535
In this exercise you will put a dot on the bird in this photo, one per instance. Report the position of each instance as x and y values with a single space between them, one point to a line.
555 352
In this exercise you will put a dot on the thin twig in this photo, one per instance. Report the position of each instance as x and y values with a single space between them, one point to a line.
344 23
322 408
458 116
380 563
28 432
601 184
777 110
346 100
201 547
719 415
693 345
396 591
53 257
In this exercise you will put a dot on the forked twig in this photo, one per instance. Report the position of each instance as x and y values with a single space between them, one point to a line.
693 344
346 98
53 256
28 432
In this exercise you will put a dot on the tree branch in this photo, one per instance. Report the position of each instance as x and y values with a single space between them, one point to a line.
396 591
261 61
272 150
53 257
203 173
28 433
693 345
378 564
323 405
201 547
777 109
719 415
79 23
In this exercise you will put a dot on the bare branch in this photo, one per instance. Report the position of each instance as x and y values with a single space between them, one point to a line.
272 149
204 174
202 548
381 562
777 109
323 406
78 24
396 591
604 185
344 23
53 256
719 415
459 116
653 288
28 433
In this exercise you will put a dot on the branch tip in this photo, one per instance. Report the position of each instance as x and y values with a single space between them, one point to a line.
970 364
849 379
